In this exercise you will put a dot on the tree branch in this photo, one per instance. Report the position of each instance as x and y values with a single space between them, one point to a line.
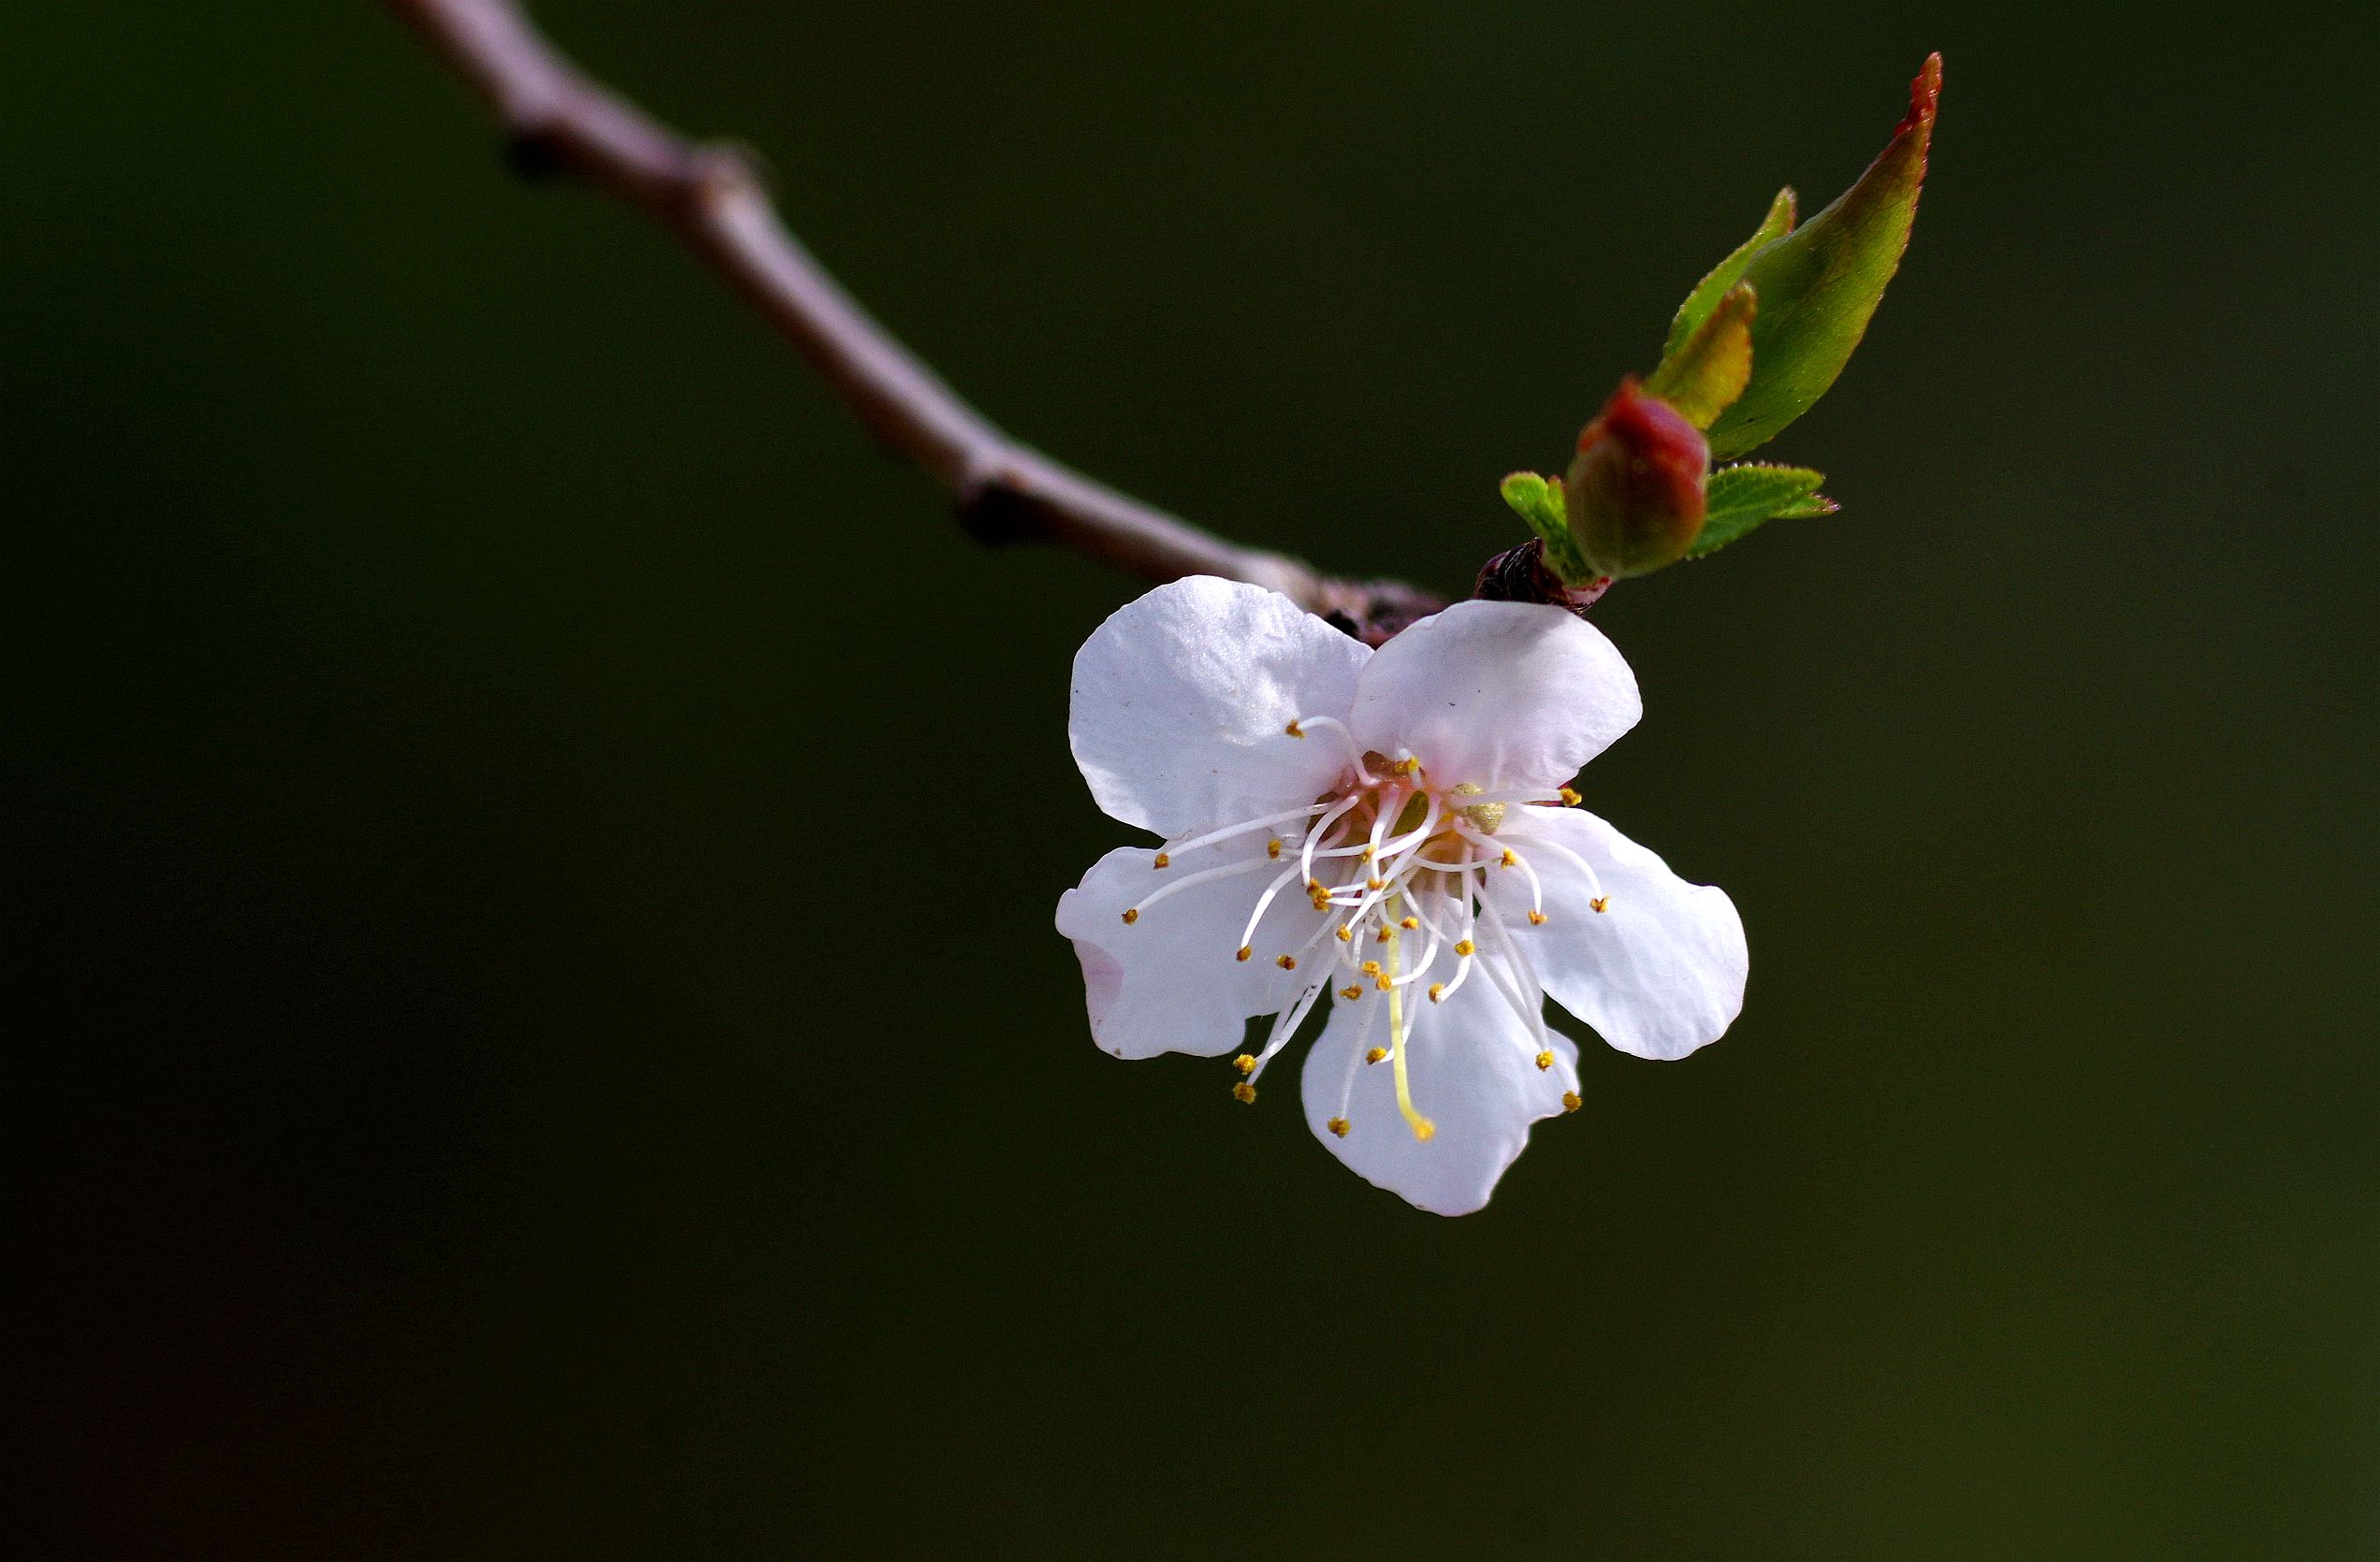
559 121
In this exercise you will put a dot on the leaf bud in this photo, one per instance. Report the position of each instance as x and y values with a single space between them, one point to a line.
1635 491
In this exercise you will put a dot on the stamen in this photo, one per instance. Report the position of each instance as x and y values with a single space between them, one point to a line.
1131 914
1570 798
1437 990
1288 962
1211 836
1570 1100
1376 1054
1243 1062
1410 924
1601 902
1466 948
1248 932
1177 886
1165 859
1272 848
1536 888
1338 1126
1544 1061
1346 932
1355 755
1351 993
1332 816
1245 951
1541 842
1244 1092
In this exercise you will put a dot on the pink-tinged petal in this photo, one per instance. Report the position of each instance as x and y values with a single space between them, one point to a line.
1658 972
1474 1072
1168 981
1182 699
1504 694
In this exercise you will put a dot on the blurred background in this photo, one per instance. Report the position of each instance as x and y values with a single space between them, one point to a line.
539 1030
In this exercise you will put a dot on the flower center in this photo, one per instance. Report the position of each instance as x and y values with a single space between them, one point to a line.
1399 862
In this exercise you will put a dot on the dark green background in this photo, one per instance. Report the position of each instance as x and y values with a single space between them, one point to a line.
541 1031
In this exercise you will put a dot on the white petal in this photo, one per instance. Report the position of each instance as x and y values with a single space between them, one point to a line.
1499 694
1182 699
1473 1070
1168 982
1659 971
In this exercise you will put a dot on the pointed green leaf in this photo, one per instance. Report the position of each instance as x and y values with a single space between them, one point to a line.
1711 289
1741 498
1709 369
1820 284
1538 501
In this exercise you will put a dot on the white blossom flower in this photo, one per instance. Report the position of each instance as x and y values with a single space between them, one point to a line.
1392 829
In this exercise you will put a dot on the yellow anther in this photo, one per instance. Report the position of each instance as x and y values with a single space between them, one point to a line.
1384 935
1570 1100
1272 850
1544 1061
1376 1054
1465 949
1601 902
1245 1063
1410 923
1437 990
1295 730
1509 859
1244 1092
1376 884
1536 918
1351 993
1346 932
1288 962
1570 798
1244 952
1165 859
1406 766
1338 1126
1383 983
1366 857
1131 914
1369 968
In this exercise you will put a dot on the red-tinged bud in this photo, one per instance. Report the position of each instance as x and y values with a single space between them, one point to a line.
1635 494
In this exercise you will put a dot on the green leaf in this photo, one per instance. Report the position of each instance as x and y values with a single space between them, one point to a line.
1820 284
1741 498
1538 501
1709 369
1711 289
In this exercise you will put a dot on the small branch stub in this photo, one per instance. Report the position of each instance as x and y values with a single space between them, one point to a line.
1520 575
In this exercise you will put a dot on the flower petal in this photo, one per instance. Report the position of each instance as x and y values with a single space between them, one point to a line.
1499 694
1182 697
1170 981
1659 971
1473 1073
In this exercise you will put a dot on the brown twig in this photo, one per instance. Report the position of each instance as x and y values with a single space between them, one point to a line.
558 120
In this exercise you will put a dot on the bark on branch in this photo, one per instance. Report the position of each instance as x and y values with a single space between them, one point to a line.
558 120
